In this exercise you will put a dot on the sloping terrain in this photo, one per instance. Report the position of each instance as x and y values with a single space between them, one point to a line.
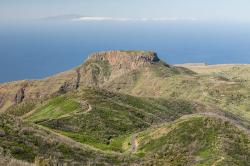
112 117
31 143
226 86
129 108
109 124
195 140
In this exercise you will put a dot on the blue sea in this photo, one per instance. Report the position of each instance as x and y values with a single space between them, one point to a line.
41 48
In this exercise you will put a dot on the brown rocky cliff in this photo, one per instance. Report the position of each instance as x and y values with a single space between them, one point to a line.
125 59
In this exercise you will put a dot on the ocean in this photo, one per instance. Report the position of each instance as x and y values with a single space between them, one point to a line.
42 48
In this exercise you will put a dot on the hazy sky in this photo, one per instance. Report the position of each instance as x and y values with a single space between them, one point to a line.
201 9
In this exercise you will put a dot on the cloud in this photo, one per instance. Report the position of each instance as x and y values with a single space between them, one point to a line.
132 19
99 19
62 17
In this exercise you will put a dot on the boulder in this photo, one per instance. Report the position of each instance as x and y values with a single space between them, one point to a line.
2 133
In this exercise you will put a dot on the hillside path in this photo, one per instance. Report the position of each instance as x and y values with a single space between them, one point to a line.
215 115
67 140
89 109
218 161
134 143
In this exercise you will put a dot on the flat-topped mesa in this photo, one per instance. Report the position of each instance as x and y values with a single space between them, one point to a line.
132 59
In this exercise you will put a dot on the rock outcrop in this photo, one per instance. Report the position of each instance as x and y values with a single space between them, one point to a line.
20 95
72 84
2 133
125 59
1 101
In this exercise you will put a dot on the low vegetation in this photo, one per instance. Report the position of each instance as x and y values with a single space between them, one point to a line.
115 116
196 141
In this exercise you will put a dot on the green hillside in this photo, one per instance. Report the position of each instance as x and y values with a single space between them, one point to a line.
109 117
195 140
32 143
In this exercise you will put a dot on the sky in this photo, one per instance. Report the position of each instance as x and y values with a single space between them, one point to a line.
19 10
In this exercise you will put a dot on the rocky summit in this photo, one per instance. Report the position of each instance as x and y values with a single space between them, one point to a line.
128 108
129 59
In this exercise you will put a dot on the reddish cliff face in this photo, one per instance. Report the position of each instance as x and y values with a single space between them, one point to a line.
125 59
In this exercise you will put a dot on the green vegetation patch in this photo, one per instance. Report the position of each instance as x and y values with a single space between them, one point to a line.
22 108
55 108
24 141
115 116
198 140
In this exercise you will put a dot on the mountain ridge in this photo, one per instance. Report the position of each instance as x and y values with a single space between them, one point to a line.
97 71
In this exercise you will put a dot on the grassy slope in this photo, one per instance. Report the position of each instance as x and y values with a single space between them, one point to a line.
25 141
197 141
112 119
227 88
54 108
140 81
